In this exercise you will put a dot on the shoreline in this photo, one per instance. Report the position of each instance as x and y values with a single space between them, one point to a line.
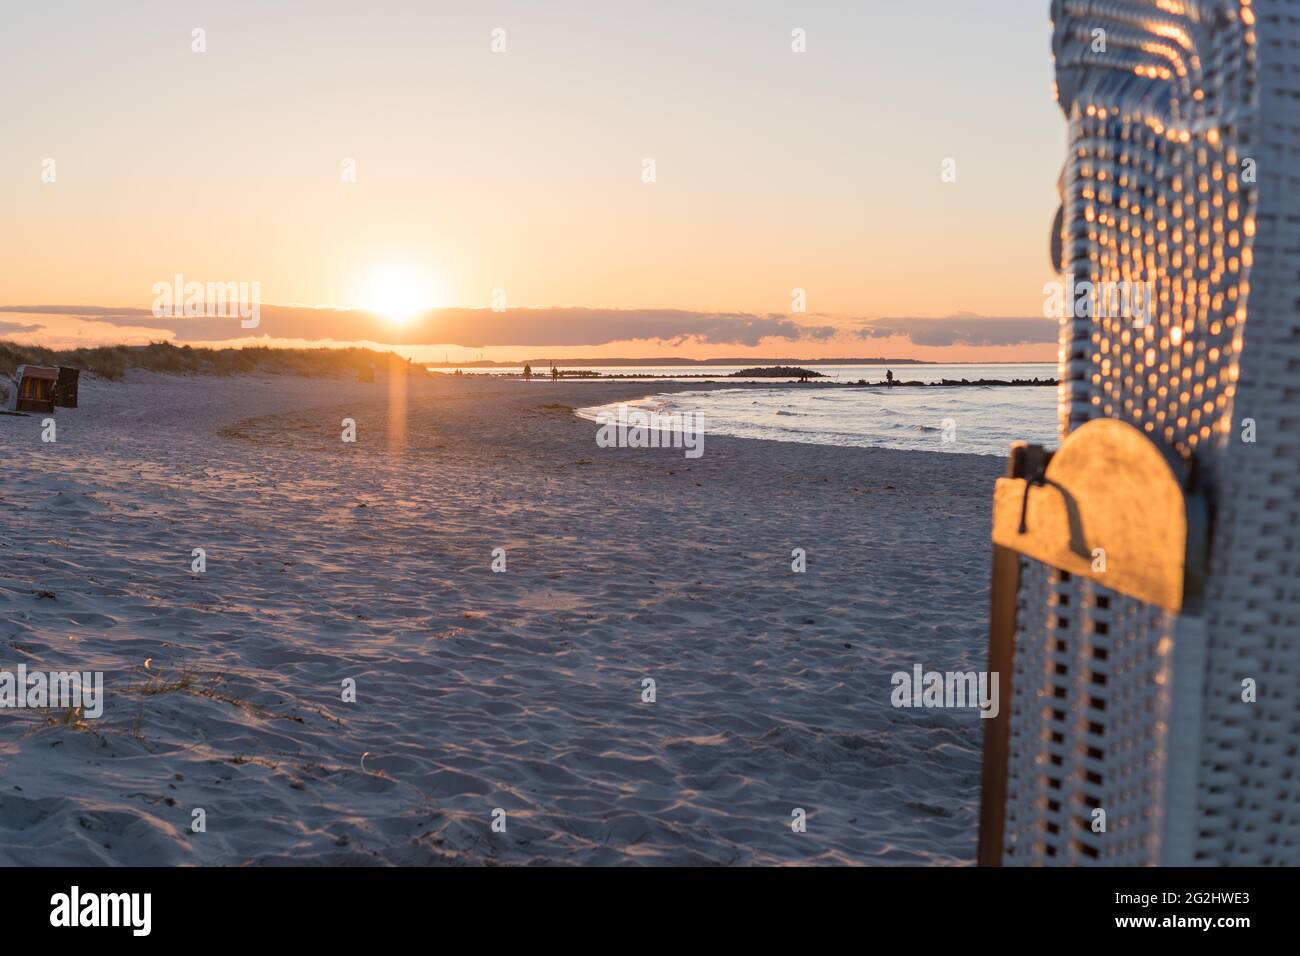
784 380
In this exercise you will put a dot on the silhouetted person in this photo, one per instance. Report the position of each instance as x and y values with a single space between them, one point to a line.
889 376
528 373
555 374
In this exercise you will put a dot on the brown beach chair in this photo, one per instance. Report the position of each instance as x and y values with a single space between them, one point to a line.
35 388
65 389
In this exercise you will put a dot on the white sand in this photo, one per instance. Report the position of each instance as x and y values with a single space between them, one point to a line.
478 690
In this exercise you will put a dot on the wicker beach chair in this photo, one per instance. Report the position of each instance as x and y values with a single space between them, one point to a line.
1146 603
35 389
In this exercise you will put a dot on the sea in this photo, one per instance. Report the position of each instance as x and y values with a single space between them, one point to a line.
971 419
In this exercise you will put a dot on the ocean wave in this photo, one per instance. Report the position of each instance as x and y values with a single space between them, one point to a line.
986 419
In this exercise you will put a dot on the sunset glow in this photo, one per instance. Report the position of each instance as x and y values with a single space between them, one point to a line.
449 171
399 294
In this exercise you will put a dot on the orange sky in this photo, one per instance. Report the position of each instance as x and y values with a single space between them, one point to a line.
132 157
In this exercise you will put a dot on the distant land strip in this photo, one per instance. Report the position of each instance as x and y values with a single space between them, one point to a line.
679 362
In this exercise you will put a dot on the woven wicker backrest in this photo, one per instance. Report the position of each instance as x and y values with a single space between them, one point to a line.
1183 173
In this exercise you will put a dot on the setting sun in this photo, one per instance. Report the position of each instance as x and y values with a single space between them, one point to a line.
399 294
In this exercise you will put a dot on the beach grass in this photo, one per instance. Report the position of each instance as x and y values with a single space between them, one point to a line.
112 362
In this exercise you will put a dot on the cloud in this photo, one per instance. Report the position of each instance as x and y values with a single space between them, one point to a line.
81 311
964 328
15 328
471 328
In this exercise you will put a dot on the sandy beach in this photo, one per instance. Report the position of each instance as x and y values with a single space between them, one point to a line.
372 561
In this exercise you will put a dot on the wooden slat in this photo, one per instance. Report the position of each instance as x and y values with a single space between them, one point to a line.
1108 487
997 730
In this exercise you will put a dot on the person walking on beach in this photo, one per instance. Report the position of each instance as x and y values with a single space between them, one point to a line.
889 376
555 374
528 373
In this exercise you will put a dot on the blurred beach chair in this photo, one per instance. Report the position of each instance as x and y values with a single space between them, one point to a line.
65 388
1146 584
35 387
